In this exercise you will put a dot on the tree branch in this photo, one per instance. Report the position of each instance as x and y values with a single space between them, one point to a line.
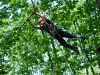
98 2
52 65
54 49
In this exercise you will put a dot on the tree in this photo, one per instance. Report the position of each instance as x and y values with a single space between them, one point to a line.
27 51
98 2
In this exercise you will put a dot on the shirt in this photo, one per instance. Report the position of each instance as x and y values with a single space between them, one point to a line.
49 27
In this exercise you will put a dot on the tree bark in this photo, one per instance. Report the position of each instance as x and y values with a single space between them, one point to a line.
52 65
90 64
53 47
87 72
98 2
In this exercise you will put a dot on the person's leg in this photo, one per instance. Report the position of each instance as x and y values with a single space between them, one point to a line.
65 44
69 35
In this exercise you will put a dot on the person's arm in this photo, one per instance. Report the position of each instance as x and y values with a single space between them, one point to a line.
41 15
37 27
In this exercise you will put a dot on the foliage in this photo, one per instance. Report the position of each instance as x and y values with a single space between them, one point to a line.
27 51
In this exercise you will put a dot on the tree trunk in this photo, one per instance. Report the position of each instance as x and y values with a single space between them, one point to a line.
98 2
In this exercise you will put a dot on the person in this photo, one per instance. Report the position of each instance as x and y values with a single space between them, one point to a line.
57 33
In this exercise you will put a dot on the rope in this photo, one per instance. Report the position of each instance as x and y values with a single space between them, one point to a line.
55 32
62 51
34 10
84 55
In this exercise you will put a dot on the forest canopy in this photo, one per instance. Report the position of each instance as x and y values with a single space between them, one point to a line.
25 50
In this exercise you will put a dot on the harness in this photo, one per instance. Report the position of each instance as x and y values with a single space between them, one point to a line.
52 29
